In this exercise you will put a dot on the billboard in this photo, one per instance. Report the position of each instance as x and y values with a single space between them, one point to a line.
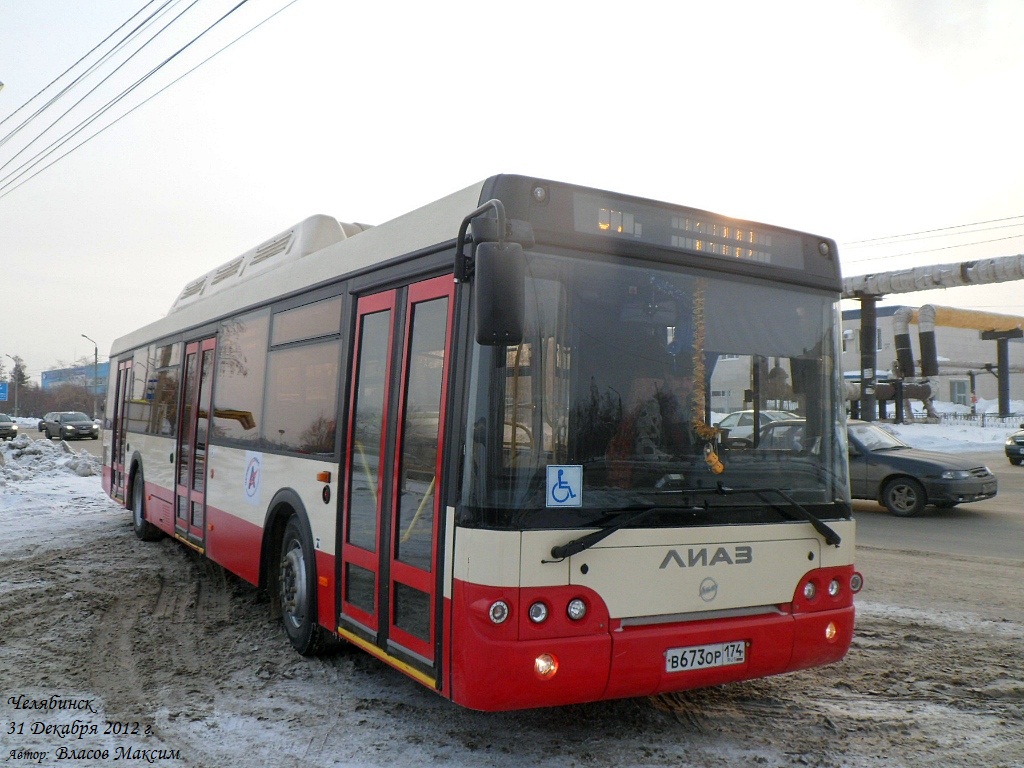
82 376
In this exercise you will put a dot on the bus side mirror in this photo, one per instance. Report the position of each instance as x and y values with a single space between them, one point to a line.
499 292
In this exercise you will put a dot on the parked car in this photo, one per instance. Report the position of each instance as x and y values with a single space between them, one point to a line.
8 429
1015 447
901 478
741 423
70 425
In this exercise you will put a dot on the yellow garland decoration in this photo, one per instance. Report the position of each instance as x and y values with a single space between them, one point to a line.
704 430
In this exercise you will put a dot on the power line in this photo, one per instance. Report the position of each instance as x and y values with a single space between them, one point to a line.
8 186
933 250
66 71
939 233
63 139
911 235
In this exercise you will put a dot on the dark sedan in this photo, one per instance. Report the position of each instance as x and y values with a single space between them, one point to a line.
70 425
885 469
1015 447
8 429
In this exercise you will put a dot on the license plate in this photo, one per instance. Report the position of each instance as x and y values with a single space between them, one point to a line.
988 488
705 656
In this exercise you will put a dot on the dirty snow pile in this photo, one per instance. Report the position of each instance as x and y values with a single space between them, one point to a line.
26 459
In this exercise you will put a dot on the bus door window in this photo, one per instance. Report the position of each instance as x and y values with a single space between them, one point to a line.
365 456
417 501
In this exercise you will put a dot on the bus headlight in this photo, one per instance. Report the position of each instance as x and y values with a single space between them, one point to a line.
833 588
538 612
810 590
498 611
576 609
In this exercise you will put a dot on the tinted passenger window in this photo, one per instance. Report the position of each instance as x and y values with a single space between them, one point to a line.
302 387
322 318
162 391
242 362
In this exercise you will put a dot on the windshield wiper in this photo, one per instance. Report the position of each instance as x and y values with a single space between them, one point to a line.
627 516
831 537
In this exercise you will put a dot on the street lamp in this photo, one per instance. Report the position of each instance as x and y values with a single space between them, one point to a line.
95 376
14 376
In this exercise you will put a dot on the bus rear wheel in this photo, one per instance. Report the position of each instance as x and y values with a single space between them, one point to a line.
296 583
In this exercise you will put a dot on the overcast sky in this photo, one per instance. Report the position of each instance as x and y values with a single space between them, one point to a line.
855 120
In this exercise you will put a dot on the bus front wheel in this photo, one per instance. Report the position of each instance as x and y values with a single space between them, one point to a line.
296 583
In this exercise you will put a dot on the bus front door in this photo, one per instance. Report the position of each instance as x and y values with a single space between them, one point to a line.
193 430
390 562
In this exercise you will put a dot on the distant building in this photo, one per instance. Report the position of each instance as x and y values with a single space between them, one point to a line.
960 349
83 376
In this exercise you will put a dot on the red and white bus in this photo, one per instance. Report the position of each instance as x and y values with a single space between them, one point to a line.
478 442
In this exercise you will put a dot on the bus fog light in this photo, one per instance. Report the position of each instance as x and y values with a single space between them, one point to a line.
576 609
833 587
545 666
498 611
810 590
831 631
856 583
538 612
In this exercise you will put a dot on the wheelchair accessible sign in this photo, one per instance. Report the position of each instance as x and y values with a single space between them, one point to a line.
564 485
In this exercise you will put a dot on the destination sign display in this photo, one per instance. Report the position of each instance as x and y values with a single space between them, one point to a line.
688 230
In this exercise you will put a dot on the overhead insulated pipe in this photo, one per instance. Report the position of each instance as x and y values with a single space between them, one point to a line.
982 272
926 333
904 352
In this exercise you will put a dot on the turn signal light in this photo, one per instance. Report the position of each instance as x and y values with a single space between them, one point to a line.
545 666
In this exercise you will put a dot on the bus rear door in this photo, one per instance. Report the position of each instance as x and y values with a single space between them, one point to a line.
119 431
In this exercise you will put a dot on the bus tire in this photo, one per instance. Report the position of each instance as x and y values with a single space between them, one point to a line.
296 583
144 529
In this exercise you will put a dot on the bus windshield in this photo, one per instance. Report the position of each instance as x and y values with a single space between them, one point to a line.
623 373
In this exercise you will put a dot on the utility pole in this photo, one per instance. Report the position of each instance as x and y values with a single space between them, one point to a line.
95 368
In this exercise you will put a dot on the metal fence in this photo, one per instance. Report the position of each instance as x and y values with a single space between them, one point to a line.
1013 421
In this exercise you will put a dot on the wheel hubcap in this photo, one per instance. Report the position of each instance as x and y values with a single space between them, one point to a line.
903 497
293 585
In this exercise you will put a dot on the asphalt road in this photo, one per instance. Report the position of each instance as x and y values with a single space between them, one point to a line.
992 528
